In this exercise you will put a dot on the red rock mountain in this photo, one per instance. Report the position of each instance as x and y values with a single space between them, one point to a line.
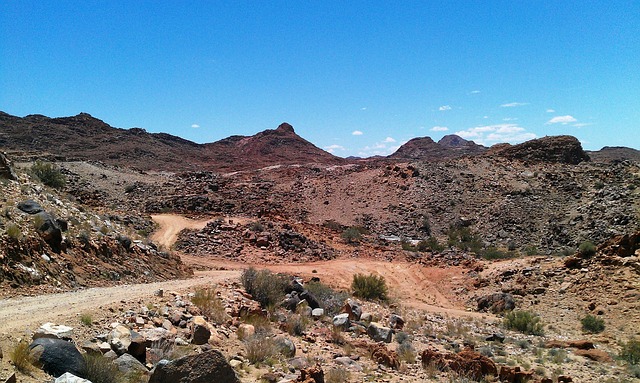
88 138
424 148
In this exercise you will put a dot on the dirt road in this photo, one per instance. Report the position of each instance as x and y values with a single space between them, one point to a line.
22 313
427 288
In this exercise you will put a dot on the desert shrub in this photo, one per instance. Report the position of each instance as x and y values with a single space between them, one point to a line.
557 355
333 225
492 252
102 370
352 235
405 350
297 324
264 286
530 250
430 244
13 231
48 174
331 300
587 249
630 351
210 305
425 226
523 321
369 287
21 357
260 349
464 239
256 227
337 374
86 319
592 324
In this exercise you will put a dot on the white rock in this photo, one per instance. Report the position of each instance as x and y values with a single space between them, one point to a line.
68 377
51 330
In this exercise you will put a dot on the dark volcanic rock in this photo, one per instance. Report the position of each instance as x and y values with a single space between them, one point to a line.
210 366
30 207
496 303
6 168
560 149
57 356
424 148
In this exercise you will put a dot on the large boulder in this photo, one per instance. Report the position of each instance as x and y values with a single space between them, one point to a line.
129 365
379 333
209 366
57 356
120 339
382 355
51 330
200 330
70 378
467 362
6 168
496 302
50 230
352 308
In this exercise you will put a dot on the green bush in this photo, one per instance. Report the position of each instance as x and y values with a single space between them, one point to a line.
13 231
264 286
430 244
48 174
464 239
592 324
369 287
587 249
86 319
210 305
352 235
523 321
630 352
492 252
331 300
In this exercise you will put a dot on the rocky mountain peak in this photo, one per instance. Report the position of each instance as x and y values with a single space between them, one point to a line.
559 149
285 128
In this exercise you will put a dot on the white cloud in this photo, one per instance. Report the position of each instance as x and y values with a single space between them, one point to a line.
439 129
564 120
333 148
195 126
582 124
389 139
493 134
381 148
551 111
474 92
444 108
510 119
513 104
357 133
364 108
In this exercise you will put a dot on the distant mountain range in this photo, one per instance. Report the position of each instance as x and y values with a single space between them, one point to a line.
84 137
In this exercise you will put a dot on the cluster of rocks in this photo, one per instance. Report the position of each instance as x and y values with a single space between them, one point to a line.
239 242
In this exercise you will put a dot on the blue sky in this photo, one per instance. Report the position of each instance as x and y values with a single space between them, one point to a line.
355 78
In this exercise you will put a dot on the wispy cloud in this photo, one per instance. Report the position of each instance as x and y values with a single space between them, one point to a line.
363 108
510 119
492 134
382 148
514 104
389 140
357 133
564 120
439 129
582 124
474 92
195 126
333 148
551 111
444 108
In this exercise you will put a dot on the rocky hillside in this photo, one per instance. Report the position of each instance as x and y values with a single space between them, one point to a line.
50 242
424 148
559 149
84 137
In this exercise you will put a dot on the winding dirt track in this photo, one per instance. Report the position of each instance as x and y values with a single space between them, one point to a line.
415 286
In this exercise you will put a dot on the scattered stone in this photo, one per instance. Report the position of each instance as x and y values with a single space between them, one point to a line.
379 333
311 375
352 308
57 356
200 331
129 365
30 207
317 313
496 337
209 366
120 339
50 330
396 322
342 321
285 346
514 375
68 377
496 302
